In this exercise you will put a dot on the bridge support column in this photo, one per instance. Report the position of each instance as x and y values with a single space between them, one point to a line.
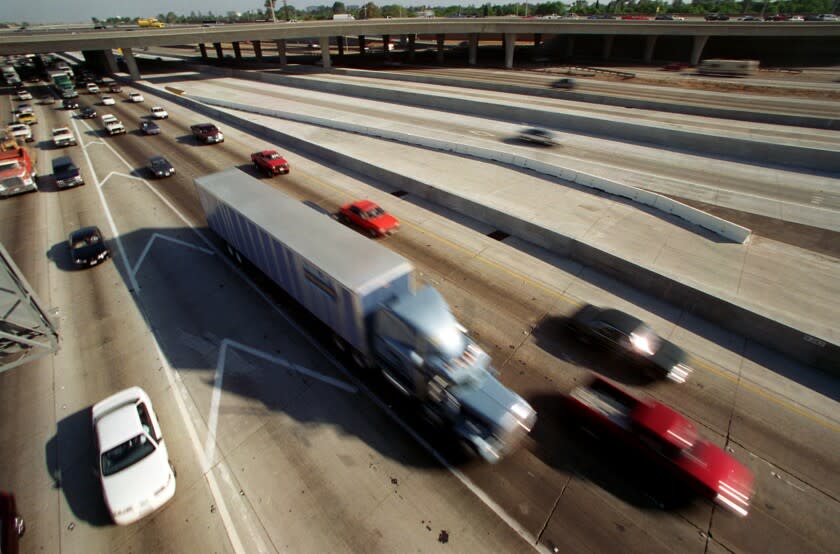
340 43
570 46
203 49
219 53
510 44
537 39
281 51
326 63
110 60
237 51
258 50
608 45
473 48
128 57
650 43
412 47
440 41
386 44
361 45
697 48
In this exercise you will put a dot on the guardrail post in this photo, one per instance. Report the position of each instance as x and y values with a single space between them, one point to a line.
608 45
258 50
219 53
361 45
440 40
570 46
237 51
386 43
510 43
412 48
128 56
281 51
697 48
325 52
339 41
203 49
650 43
473 48
537 39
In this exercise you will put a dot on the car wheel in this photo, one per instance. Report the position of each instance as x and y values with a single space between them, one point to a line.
373 233
174 471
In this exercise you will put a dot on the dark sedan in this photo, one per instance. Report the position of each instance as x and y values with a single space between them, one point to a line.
631 337
87 247
160 167
149 128
70 104
87 113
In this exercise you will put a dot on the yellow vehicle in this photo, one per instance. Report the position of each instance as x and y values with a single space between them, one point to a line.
27 118
151 22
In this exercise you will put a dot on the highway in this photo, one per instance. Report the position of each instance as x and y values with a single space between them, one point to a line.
312 460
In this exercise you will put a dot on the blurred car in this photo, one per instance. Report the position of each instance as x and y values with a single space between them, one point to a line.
20 131
776 17
69 93
107 100
134 467
159 113
63 136
66 173
87 247
27 118
24 108
633 338
24 94
87 112
369 217
47 100
717 17
114 87
796 18
664 17
135 97
828 17
12 525
565 83
93 88
749 18
160 167
535 135
674 66
149 128
70 104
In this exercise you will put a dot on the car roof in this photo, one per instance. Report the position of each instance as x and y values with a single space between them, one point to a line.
118 426
365 205
62 160
619 319
155 159
85 232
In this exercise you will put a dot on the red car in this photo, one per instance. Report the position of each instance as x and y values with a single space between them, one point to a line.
666 439
270 162
370 217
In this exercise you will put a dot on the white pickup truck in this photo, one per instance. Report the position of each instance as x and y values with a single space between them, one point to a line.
113 126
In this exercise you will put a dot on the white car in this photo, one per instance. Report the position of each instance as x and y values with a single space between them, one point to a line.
113 126
20 131
108 101
63 136
135 97
159 113
24 95
93 88
134 467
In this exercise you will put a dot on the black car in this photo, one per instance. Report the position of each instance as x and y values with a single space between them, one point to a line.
149 128
66 173
664 17
87 247
536 135
631 337
160 167
565 83
70 104
717 17
87 113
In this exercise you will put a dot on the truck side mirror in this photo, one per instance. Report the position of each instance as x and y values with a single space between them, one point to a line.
415 358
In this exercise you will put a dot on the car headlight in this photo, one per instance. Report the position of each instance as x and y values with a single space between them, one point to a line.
102 255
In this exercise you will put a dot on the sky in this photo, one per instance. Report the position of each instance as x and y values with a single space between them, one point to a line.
81 11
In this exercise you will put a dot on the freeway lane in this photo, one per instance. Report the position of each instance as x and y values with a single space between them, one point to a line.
683 175
544 486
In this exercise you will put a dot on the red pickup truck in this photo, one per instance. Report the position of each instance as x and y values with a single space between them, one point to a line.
270 162
667 439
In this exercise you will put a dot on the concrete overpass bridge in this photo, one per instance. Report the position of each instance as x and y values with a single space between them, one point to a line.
98 45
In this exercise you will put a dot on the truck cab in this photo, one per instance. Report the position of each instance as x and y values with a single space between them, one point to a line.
427 354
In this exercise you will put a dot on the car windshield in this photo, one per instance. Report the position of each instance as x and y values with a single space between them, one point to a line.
159 163
373 212
81 242
128 453
273 156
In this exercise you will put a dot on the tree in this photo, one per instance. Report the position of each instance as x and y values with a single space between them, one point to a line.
370 11
339 7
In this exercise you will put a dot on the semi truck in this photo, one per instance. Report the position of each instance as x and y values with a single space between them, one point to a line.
368 297
17 172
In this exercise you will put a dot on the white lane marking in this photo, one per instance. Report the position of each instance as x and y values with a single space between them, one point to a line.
117 173
213 419
156 236
480 494
481 133
178 392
